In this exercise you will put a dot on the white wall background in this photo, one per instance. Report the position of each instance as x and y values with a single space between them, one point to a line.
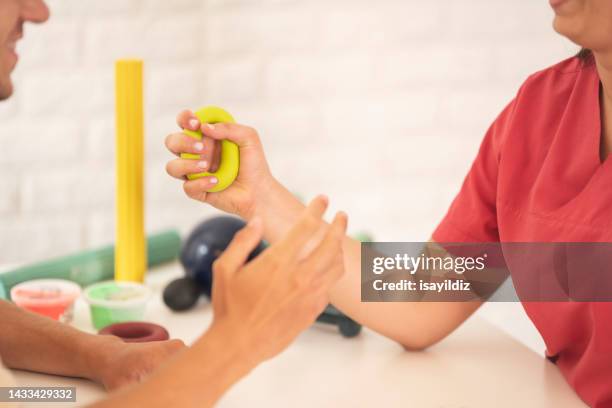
381 105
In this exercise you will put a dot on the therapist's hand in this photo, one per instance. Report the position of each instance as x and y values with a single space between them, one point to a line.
263 305
254 181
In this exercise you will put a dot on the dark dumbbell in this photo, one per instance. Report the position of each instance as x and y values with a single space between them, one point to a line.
347 326
203 246
182 293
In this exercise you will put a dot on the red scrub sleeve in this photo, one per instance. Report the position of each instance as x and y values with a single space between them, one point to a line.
472 216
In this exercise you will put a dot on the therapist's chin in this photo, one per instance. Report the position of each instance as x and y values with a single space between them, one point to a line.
570 29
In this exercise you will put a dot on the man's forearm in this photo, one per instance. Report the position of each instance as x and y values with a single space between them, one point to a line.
36 343
195 377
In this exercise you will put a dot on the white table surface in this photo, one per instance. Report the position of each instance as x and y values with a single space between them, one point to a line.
477 366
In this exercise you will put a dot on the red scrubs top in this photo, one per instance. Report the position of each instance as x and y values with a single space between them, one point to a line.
538 177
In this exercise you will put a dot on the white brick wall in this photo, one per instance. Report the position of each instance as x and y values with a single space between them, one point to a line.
380 104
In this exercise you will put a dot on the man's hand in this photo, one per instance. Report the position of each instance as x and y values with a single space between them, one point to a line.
119 364
262 305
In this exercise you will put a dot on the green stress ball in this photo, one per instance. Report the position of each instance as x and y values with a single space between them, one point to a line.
230 157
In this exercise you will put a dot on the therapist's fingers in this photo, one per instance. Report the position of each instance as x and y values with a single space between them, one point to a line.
179 143
180 168
198 188
243 136
208 153
215 159
187 120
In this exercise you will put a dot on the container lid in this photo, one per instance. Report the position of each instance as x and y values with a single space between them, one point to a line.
117 294
40 292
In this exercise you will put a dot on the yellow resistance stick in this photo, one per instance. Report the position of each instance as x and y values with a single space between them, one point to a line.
130 255
230 156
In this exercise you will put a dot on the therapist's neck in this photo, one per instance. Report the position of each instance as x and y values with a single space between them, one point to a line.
604 69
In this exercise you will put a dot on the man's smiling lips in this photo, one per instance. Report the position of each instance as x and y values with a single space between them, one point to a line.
556 3
11 47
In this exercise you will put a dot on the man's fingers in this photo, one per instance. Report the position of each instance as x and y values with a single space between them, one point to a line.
305 229
243 136
325 256
187 120
179 143
180 168
238 251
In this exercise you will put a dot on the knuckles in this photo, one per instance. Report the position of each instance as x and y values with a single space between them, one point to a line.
189 190
173 143
183 118
195 189
251 132
270 259
253 136
309 222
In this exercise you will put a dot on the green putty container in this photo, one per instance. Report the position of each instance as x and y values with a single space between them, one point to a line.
116 302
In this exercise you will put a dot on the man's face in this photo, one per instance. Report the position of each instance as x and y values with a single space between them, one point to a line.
13 14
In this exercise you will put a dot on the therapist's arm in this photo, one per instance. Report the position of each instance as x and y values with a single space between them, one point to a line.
257 193
36 343
415 325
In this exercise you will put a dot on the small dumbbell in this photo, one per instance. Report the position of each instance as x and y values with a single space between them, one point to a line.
200 250
347 326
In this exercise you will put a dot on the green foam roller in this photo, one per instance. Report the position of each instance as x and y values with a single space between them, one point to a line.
363 236
91 266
